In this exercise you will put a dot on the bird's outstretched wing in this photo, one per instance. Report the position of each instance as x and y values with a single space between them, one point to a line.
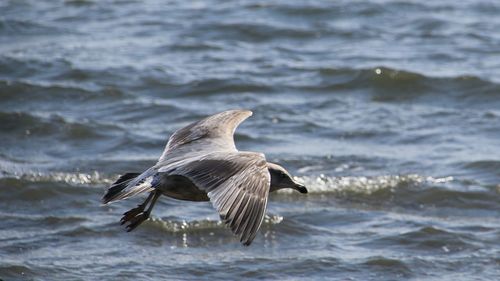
214 133
237 184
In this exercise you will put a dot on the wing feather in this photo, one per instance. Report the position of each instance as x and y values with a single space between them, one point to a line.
237 184
214 133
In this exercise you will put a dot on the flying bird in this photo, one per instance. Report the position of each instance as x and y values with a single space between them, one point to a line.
201 163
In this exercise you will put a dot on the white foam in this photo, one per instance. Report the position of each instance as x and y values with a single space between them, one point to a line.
70 178
366 185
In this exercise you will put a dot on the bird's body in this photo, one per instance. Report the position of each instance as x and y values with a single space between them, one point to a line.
201 163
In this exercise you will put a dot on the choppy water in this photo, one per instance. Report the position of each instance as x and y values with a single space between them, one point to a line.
389 111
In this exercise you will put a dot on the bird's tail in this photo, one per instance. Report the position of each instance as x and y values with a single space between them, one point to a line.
128 185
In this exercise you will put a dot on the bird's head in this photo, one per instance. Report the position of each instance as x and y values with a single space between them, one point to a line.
280 178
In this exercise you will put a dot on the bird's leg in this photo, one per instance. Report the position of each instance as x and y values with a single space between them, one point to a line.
127 216
140 218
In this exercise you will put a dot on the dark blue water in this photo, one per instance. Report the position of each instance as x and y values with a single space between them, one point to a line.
388 111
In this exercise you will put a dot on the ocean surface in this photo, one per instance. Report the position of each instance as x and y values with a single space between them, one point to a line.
389 112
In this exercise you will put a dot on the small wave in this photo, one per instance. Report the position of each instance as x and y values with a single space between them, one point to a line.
256 32
190 46
412 191
174 226
207 86
79 3
26 124
487 172
16 271
487 165
385 262
22 90
94 178
428 238
365 185
22 67
61 75
387 84
297 10
9 27
388 265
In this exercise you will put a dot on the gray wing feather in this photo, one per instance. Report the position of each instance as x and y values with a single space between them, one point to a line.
237 185
133 186
214 133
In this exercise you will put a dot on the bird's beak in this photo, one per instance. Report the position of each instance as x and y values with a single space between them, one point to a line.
300 188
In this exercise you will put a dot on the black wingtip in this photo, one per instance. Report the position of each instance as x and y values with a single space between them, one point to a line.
246 243
119 185
302 189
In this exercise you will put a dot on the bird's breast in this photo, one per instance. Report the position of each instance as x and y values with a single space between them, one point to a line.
181 188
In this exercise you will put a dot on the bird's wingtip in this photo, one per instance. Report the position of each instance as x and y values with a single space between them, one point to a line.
245 111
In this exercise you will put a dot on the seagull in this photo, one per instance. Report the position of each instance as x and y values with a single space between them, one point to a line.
201 163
